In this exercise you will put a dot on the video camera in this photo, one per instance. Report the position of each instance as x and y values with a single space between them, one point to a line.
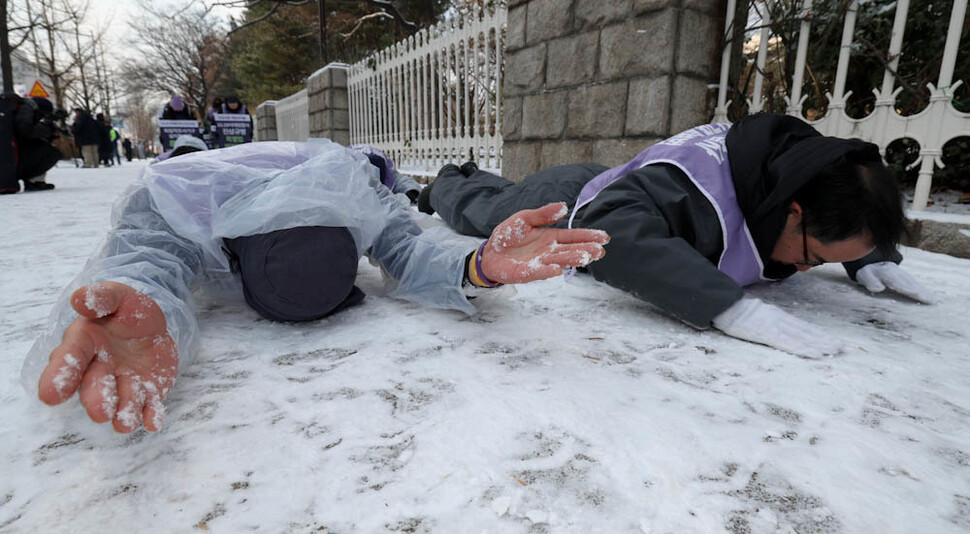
56 121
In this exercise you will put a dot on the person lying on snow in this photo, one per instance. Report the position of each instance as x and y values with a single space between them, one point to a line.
390 177
282 224
695 218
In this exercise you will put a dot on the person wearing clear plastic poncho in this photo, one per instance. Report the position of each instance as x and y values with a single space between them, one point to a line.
125 327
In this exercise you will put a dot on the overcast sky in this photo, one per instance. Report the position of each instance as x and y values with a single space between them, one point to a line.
117 14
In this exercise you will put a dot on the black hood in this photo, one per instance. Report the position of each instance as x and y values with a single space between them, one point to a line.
772 157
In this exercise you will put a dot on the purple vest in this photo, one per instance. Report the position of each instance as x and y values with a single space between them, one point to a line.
387 171
242 109
701 154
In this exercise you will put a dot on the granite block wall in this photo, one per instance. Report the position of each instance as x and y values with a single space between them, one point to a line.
600 80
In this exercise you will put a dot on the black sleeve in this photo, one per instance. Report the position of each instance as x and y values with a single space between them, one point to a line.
852 267
664 240
24 123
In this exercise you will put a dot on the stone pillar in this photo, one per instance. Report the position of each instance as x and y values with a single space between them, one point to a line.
600 80
266 121
328 104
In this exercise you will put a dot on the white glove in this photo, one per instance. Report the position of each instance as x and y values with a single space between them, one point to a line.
753 320
878 277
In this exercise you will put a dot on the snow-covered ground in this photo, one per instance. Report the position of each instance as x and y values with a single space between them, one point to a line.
942 203
560 408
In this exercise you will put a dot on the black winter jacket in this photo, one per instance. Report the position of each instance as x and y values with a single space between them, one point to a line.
665 235
85 129
181 115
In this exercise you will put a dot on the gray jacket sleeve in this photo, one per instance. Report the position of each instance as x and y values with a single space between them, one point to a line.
143 252
425 270
664 242
404 183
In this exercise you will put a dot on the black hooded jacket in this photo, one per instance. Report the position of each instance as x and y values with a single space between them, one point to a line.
665 236
85 129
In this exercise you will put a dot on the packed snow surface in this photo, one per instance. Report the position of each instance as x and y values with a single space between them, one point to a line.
562 407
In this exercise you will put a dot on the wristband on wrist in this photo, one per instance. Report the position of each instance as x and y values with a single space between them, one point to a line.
476 275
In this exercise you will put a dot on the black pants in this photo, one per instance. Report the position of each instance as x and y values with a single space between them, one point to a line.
477 204
8 150
36 158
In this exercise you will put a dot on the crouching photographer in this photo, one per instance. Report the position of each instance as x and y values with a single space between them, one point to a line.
28 126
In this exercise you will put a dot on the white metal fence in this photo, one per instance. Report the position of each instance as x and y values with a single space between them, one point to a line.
435 97
931 128
293 117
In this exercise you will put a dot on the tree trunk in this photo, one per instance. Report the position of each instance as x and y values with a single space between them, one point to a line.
86 98
322 13
738 61
6 66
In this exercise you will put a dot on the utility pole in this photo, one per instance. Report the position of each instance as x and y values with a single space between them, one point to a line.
322 15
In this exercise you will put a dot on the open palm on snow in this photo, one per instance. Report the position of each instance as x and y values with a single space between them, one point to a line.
120 355
521 250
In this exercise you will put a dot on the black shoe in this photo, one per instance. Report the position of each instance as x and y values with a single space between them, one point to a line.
424 199
38 186
469 168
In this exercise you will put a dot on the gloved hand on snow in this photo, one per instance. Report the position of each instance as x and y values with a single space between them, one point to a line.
752 320
878 277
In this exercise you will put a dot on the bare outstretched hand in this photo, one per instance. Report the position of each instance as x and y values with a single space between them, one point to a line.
520 250
118 352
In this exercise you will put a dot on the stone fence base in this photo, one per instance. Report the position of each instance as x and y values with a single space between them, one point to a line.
945 237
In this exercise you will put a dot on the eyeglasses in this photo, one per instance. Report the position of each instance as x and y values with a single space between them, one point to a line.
805 261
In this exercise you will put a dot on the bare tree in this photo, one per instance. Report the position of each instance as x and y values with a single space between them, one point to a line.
385 9
81 47
181 52
50 23
103 83
139 114
14 31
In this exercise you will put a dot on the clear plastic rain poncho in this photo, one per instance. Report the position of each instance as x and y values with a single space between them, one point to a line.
168 229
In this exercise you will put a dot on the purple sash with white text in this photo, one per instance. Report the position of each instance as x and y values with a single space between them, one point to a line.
701 154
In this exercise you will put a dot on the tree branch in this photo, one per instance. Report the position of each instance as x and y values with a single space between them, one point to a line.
394 12
362 20
261 18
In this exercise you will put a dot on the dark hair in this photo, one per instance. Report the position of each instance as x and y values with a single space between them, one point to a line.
184 149
854 195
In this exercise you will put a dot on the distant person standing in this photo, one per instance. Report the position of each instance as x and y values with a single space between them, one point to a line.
235 124
114 136
126 147
85 131
104 140
233 105
176 110
216 108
